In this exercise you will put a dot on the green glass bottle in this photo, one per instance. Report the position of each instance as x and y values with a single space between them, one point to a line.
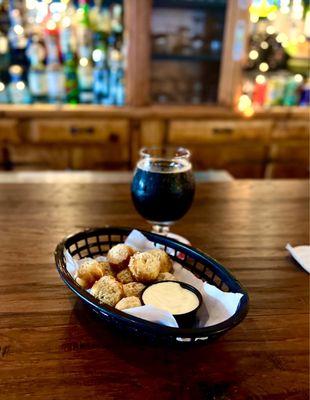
71 79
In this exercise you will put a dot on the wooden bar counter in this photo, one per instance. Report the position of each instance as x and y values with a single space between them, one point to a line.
52 347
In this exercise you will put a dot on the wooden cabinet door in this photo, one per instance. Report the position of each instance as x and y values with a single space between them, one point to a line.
278 170
291 129
99 157
290 151
188 132
107 131
39 157
9 131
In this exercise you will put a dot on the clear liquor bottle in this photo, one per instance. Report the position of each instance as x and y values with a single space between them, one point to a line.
101 71
37 78
54 70
18 90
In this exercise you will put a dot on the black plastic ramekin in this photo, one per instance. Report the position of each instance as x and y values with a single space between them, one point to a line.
186 320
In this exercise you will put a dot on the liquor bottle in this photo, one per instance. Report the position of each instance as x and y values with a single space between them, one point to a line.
305 94
17 38
101 70
55 82
4 57
18 91
67 36
116 81
85 79
37 79
117 26
95 16
274 90
290 97
83 30
4 97
54 70
51 37
259 93
71 79
4 43
4 17
120 82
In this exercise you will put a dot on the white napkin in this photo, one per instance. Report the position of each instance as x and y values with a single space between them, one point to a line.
217 305
301 254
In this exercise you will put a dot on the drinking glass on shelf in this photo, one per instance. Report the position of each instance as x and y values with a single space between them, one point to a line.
163 186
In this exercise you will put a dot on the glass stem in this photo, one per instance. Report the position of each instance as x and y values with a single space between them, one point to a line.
161 229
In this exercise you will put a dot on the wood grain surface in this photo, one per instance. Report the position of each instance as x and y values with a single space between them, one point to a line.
51 347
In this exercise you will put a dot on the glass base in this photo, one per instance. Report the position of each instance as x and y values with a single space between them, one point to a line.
164 229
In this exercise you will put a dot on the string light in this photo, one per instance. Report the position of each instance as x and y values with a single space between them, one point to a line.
97 55
264 45
297 9
272 16
281 37
260 79
18 29
83 62
263 67
20 85
244 102
298 78
30 4
301 38
249 112
56 17
245 105
66 22
253 55
254 18
270 29
51 25
285 6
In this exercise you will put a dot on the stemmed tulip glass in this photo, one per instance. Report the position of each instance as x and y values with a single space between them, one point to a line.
163 186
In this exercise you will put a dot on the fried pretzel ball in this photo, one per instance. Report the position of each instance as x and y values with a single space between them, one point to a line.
128 302
88 273
165 276
144 267
105 268
119 256
133 289
108 290
125 276
165 260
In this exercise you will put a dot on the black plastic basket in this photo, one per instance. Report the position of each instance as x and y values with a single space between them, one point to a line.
97 241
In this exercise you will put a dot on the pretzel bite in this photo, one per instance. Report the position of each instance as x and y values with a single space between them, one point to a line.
105 268
128 302
144 267
108 290
88 273
165 276
133 289
165 260
119 256
125 276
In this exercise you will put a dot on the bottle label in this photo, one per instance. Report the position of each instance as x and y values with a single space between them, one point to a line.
55 84
85 78
37 83
86 97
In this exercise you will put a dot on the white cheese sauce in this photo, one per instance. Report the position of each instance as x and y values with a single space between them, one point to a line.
170 296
